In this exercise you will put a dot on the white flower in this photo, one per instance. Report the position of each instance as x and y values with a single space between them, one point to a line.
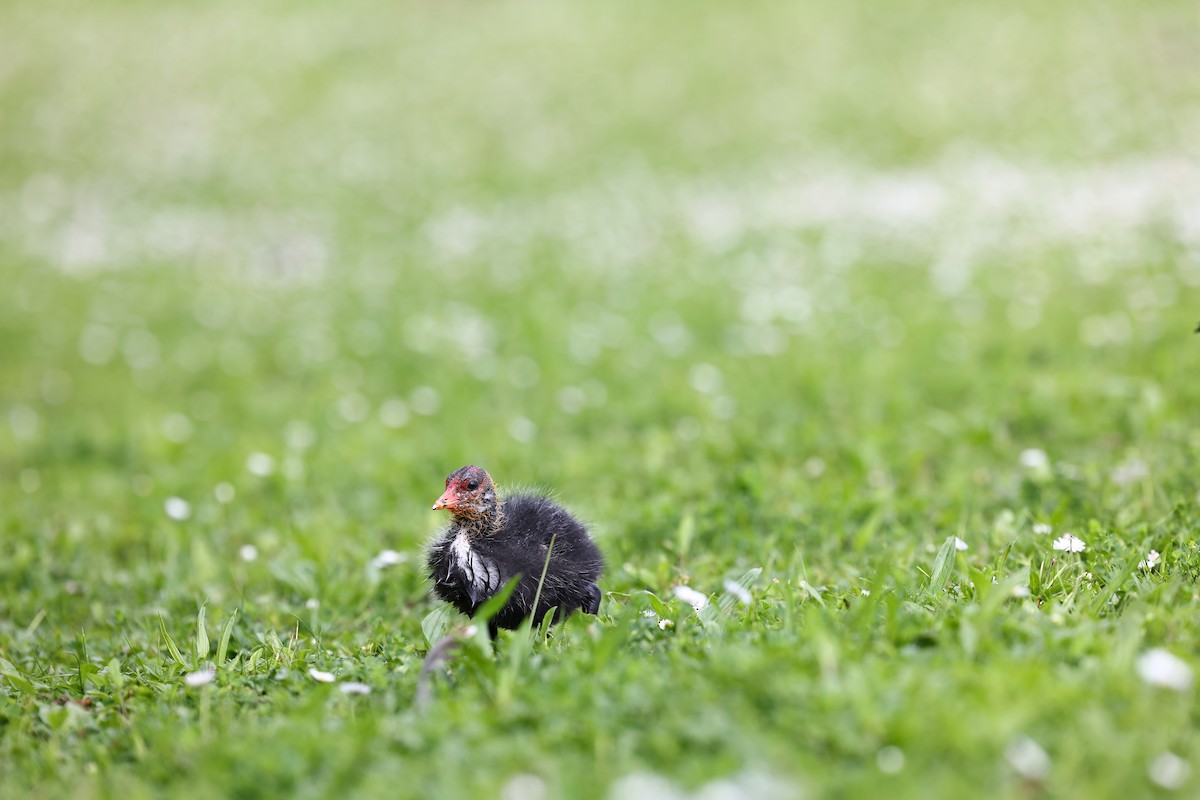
664 623
522 429
177 508
1169 771
890 760
738 591
1160 668
1151 561
388 558
644 786
299 435
1130 472
705 378
525 786
1042 529
1034 459
351 687
260 464
312 604
224 492
248 552
1028 758
865 592
425 400
394 413
691 597
651 786
1070 543
960 545
649 613
200 677
319 676
177 428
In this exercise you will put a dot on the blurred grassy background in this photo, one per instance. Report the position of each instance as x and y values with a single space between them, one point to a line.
788 286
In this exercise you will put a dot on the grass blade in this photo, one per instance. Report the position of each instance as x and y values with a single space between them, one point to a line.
943 566
201 636
171 646
16 678
226 632
516 656
547 623
537 596
496 602
436 624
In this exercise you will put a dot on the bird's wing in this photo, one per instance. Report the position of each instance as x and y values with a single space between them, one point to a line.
479 575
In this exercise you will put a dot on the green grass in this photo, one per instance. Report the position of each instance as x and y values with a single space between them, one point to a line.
778 293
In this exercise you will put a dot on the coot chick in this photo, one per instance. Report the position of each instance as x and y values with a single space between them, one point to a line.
490 540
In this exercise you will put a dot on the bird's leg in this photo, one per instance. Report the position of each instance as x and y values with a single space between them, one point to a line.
591 600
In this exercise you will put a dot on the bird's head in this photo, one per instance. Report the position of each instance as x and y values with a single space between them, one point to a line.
469 493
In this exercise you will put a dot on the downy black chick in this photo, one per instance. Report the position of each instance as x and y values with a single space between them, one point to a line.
490 540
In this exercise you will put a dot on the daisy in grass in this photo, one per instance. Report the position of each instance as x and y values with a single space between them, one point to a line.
1034 459
740 592
1169 771
1069 543
1151 561
1028 758
177 508
1159 667
201 677
690 596
388 558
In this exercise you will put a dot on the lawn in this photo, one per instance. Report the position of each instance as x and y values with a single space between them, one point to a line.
842 316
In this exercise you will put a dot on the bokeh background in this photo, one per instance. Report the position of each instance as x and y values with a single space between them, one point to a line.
778 285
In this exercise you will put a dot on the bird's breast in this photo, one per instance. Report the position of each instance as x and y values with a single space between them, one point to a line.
479 574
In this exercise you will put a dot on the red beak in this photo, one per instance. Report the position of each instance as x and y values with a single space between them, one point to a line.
446 501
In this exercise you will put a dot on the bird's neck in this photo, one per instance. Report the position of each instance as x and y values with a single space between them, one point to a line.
484 524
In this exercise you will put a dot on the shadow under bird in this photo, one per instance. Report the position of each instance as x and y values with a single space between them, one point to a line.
490 540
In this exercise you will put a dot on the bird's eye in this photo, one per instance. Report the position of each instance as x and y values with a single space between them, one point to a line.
473 485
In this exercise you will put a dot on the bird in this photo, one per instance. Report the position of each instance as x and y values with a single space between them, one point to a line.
490 540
